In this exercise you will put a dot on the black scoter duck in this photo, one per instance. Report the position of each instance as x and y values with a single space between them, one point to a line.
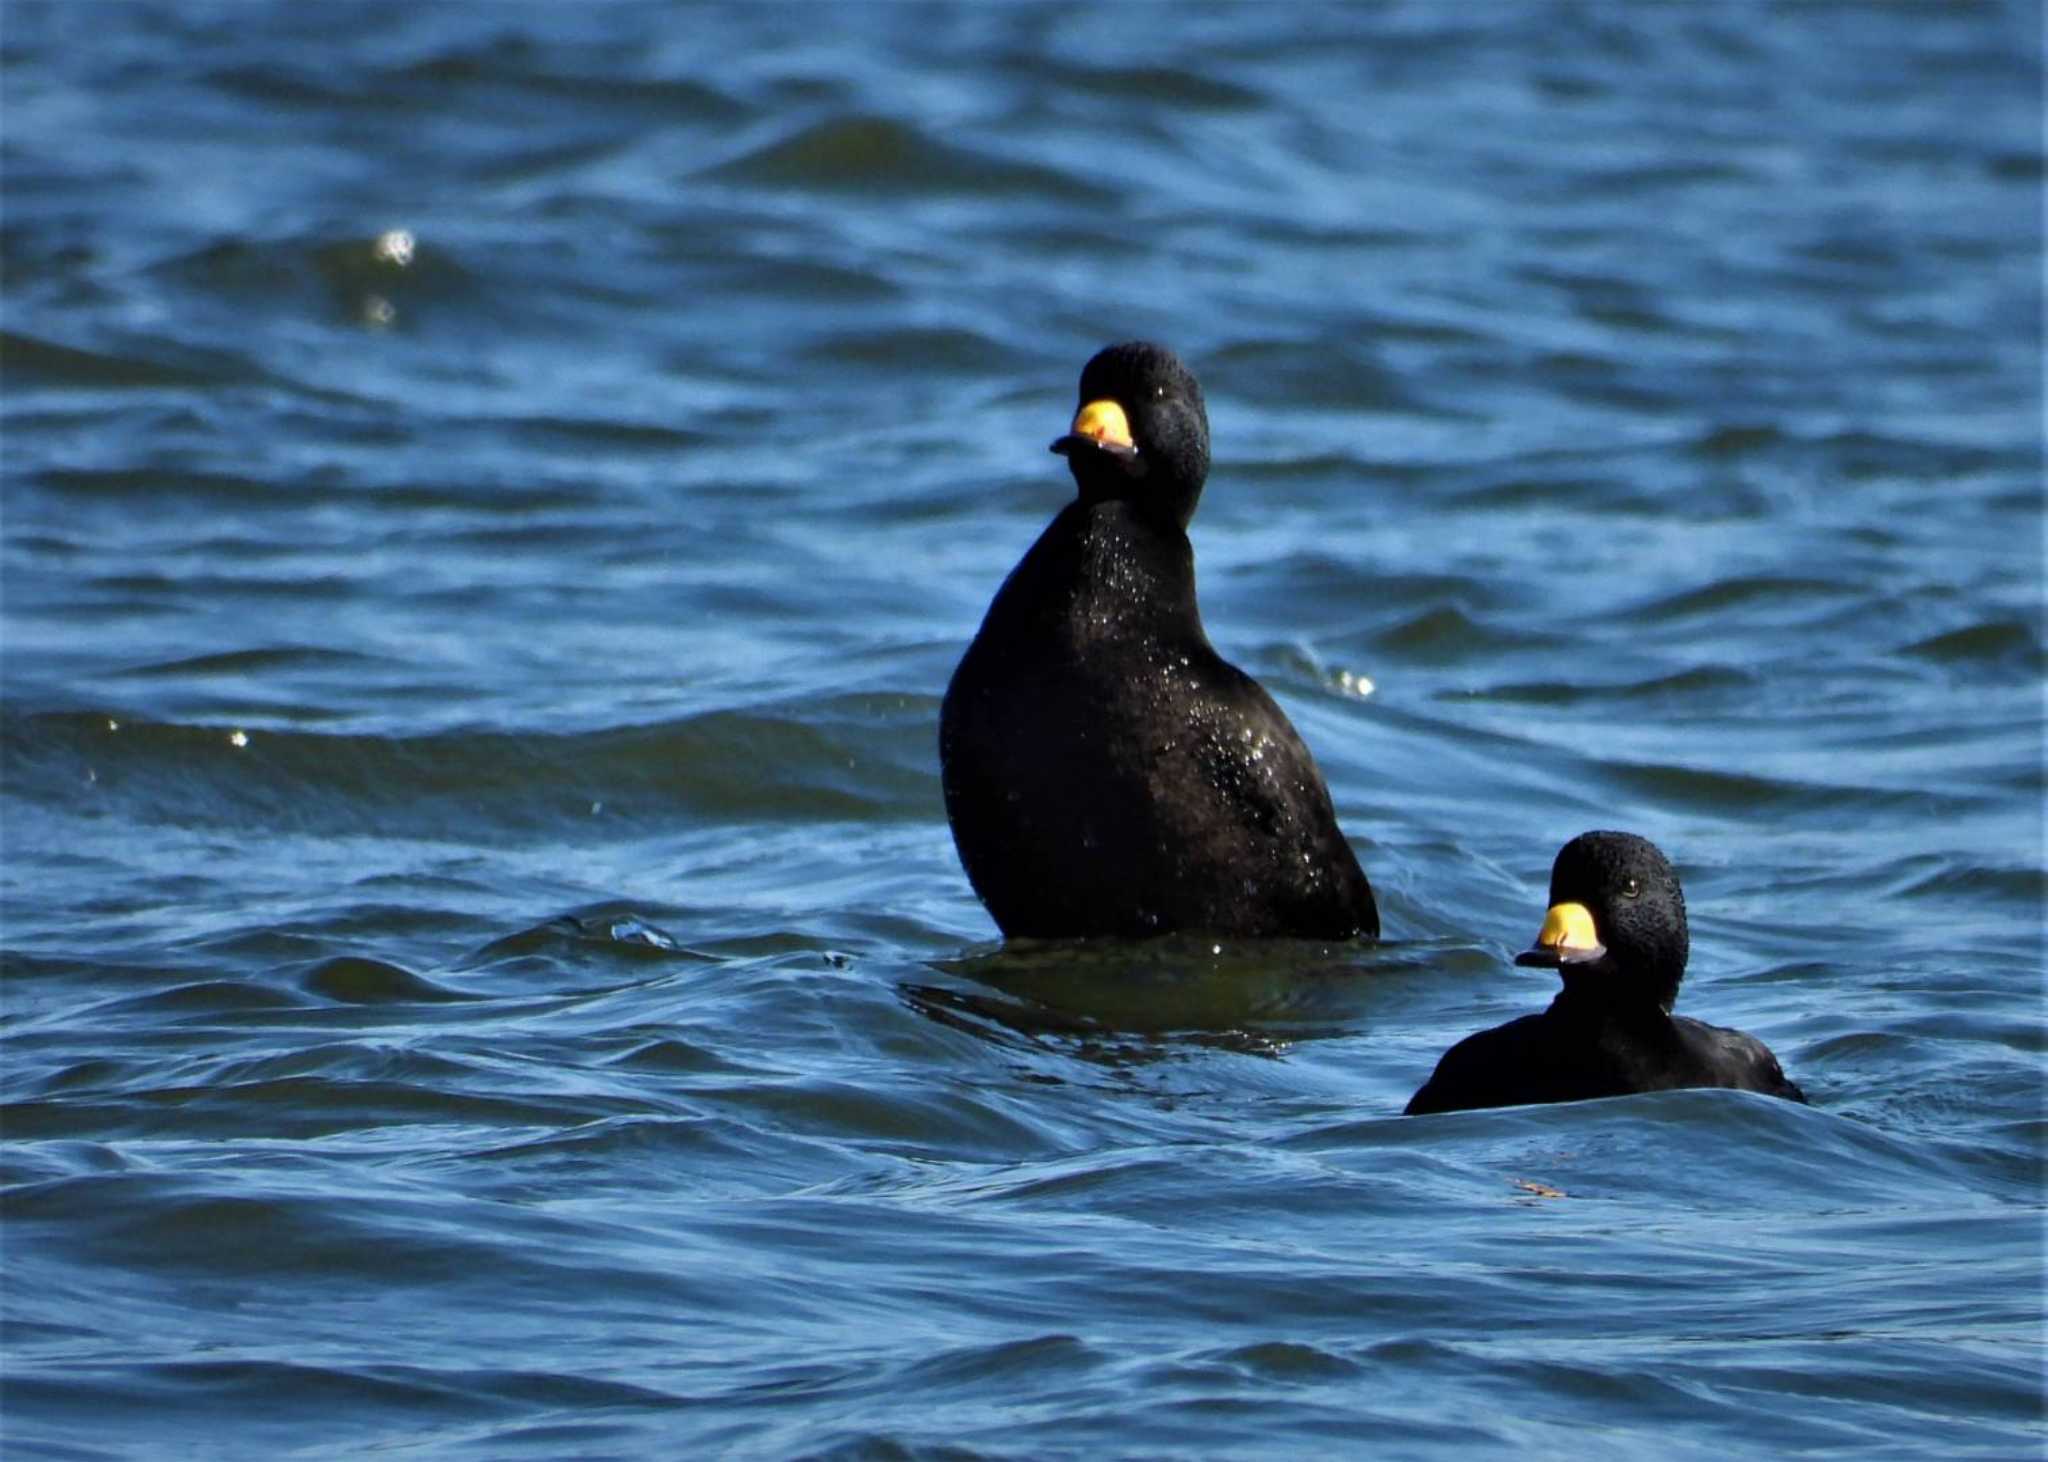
1616 933
1107 772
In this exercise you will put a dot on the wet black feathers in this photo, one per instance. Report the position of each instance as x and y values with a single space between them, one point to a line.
1609 1032
1106 772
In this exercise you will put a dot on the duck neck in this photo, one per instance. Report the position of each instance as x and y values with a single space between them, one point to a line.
1600 1011
1105 570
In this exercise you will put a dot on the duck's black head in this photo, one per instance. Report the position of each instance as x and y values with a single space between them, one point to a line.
1142 433
1616 926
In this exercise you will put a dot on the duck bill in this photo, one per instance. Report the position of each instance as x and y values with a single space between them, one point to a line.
1567 938
1100 426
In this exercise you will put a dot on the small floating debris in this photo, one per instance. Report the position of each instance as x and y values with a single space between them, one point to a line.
1541 1190
112 724
1358 685
635 931
394 246
238 739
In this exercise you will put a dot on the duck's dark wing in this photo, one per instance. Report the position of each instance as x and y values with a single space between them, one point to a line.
1242 785
1525 1061
1736 1059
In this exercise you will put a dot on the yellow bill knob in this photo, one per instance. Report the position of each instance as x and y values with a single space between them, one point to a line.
1568 927
1105 422
1567 938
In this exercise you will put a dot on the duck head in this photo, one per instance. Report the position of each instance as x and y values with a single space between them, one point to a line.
1141 434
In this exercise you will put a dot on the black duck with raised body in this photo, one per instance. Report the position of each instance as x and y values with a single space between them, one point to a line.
1106 772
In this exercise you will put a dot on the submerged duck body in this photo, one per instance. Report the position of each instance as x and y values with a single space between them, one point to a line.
1616 932
1106 772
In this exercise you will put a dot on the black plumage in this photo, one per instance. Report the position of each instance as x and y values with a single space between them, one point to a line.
1616 933
1107 772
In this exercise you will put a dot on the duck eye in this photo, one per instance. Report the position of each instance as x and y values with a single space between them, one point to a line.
1630 888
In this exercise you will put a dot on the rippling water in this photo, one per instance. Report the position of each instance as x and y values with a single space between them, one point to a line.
493 496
